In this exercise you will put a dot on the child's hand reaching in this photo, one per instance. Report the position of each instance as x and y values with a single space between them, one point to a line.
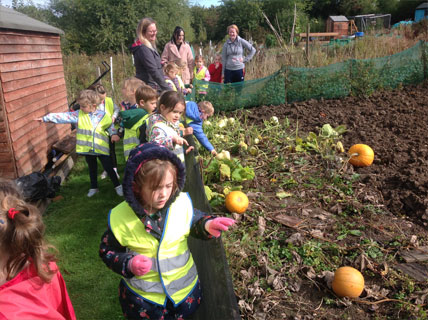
187 131
39 119
214 153
217 225
115 138
179 140
140 265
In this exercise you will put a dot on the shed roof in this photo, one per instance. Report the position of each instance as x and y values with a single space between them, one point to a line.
339 18
422 6
11 19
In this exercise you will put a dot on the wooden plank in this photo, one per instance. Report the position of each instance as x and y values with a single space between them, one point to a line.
33 81
25 65
26 100
11 48
11 39
319 34
19 120
15 57
416 271
41 87
21 74
415 255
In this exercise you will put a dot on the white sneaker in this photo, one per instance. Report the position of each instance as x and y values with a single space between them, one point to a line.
103 175
92 192
115 170
119 190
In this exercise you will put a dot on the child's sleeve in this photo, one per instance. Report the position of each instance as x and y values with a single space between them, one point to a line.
161 137
198 132
114 254
62 117
198 225
116 111
207 75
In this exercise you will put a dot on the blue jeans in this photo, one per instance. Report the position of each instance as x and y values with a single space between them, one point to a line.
233 75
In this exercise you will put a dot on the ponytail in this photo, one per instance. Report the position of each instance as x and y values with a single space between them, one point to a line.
22 234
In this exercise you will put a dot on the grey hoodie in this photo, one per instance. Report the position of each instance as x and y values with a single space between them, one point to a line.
232 55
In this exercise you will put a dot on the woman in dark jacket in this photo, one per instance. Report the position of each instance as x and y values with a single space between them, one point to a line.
146 57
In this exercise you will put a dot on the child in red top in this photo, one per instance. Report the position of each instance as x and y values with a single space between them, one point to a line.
215 69
31 286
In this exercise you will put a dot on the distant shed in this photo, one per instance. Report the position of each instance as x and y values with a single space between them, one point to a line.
339 24
31 84
421 12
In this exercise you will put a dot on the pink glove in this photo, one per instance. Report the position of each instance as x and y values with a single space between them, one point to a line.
215 226
140 265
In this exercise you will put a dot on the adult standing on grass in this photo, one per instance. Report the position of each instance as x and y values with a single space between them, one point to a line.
233 57
178 51
146 58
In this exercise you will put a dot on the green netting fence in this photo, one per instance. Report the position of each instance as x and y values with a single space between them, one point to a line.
291 84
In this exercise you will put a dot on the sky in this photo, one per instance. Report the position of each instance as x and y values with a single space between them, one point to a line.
204 3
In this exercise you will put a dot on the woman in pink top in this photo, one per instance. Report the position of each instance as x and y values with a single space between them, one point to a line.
178 51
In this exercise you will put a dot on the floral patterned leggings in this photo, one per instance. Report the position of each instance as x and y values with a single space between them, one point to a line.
134 307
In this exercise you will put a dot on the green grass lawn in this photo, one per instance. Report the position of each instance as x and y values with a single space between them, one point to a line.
75 225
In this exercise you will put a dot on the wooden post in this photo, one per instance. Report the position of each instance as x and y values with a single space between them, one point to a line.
292 29
307 43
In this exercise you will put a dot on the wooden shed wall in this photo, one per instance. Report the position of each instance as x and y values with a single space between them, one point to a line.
32 84
339 27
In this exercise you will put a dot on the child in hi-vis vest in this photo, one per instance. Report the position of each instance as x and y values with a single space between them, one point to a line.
200 72
134 121
146 240
94 128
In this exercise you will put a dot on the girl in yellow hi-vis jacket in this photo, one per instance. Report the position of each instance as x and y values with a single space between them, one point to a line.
146 242
94 128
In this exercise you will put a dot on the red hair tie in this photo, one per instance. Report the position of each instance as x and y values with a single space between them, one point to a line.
12 212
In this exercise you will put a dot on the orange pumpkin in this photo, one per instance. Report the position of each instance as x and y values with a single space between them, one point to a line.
236 201
361 155
348 282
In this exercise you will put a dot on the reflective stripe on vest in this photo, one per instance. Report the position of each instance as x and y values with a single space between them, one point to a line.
131 137
200 76
178 150
180 83
89 139
173 273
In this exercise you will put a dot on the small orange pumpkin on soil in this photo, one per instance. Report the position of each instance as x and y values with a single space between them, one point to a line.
348 282
361 155
236 201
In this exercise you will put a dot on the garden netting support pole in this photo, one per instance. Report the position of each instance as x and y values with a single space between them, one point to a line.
218 296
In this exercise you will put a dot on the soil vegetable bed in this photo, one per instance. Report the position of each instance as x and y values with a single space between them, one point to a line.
394 124
387 211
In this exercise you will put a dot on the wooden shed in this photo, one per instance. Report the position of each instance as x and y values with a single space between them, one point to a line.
31 84
339 24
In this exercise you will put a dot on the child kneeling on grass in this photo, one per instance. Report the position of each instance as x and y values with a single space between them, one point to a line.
94 128
146 242
31 285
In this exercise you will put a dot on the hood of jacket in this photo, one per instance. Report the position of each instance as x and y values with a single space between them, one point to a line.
137 44
143 153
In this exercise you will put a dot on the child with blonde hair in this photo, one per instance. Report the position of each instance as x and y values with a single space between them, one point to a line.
108 106
196 114
135 120
130 85
173 79
146 240
31 285
94 128
200 72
